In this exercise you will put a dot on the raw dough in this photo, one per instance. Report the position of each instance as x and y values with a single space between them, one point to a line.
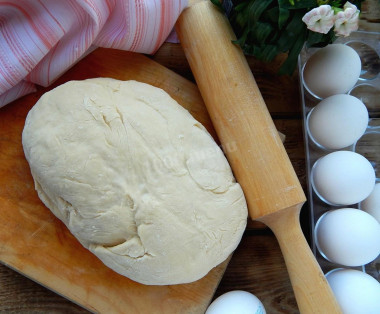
135 178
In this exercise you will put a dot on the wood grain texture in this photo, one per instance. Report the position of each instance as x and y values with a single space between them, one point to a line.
258 267
259 160
20 295
35 243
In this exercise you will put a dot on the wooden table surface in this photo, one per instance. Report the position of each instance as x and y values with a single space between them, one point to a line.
257 265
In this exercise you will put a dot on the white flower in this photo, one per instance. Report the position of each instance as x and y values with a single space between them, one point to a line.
347 21
349 5
320 19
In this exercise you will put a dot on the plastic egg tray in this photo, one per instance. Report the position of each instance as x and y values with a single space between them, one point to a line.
367 89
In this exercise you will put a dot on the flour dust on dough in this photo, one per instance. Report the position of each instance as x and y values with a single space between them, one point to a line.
135 178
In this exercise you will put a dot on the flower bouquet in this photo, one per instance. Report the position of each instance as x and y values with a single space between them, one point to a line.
266 28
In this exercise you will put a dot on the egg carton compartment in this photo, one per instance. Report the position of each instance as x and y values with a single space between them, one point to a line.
367 89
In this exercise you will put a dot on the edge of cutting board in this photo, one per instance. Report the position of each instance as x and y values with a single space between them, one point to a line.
36 244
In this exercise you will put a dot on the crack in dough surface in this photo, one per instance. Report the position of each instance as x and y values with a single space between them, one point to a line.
135 178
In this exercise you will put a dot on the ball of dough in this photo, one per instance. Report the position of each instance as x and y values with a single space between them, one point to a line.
135 178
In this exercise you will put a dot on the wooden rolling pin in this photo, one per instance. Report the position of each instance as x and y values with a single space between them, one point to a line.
256 155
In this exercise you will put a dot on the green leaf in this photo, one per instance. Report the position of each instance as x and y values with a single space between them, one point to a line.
298 4
257 52
334 3
242 39
252 50
269 53
272 14
325 39
242 6
257 8
240 15
283 17
290 34
313 38
261 31
290 63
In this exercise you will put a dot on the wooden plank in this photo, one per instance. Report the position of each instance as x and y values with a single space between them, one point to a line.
38 245
19 295
258 267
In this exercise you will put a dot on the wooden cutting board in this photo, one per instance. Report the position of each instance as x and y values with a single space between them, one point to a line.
36 244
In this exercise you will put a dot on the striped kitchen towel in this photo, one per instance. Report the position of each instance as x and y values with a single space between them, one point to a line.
41 39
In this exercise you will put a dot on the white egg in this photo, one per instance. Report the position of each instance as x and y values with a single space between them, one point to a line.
348 236
337 121
343 178
332 70
372 203
355 291
236 302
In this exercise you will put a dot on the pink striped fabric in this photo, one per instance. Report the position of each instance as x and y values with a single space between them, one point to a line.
41 39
